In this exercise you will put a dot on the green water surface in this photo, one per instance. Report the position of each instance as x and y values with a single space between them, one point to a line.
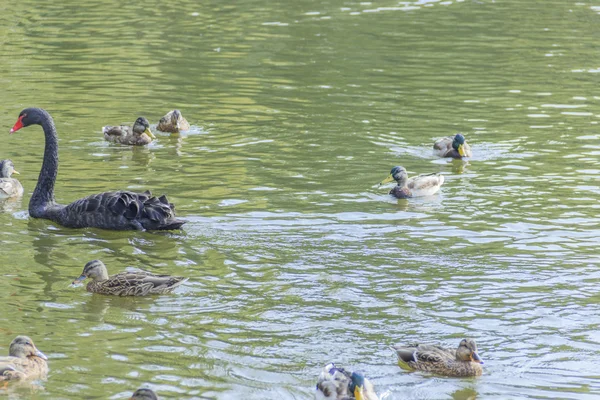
295 256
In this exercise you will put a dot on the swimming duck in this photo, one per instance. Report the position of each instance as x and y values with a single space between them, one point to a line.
463 361
173 122
452 146
339 384
24 361
144 394
9 187
137 283
139 135
422 185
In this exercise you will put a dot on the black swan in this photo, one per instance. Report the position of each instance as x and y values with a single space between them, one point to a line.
121 210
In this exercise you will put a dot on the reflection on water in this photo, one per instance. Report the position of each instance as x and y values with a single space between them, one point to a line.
295 256
11 204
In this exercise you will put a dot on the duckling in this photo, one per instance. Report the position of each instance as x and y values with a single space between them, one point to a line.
139 135
138 283
338 384
452 146
24 361
422 185
9 187
144 394
173 122
464 361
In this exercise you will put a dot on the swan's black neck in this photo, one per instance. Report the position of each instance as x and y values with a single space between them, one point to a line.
43 195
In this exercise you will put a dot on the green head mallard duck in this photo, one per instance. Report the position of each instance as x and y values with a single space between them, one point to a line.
139 135
173 122
9 187
144 394
422 185
137 283
463 361
452 146
24 361
339 384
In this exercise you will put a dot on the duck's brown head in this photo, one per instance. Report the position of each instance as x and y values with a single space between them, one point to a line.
23 347
7 168
95 270
467 351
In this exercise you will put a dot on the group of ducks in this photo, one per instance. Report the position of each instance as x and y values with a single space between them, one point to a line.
126 210
121 210
140 134
25 361
425 185
339 384
336 383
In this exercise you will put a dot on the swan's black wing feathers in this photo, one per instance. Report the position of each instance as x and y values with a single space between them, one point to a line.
122 210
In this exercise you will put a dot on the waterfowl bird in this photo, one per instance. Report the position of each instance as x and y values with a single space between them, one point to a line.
122 210
463 361
452 146
174 122
140 134
339 384
24 361
144 394
9 187
422 185
137 283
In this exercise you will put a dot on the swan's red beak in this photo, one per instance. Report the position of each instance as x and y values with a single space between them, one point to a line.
18 125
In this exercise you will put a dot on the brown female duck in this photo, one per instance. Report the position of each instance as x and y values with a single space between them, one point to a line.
339 384
9 187
138 135
24 361
137 283
463 361
173 122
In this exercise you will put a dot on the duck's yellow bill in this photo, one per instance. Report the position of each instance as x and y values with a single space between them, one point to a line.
358 393
390 178
149 133
461 150
16 172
